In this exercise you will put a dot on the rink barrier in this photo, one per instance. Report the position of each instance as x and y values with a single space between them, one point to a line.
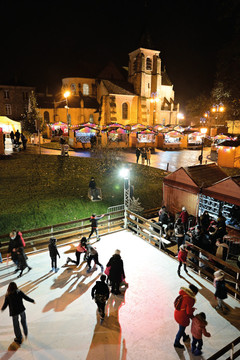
35 238
230 347
205 268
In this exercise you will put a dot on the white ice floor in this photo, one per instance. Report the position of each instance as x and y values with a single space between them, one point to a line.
63 324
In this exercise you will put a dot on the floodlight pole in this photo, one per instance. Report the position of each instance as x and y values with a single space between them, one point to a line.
126 198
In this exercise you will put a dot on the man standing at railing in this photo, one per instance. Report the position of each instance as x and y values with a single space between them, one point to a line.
94 224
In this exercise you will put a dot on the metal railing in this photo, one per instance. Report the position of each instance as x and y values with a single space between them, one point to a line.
65 232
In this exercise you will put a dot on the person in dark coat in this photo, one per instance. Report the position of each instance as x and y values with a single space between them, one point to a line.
179 232
24 141
14 300
100 293
92 254
116 274
22 262
53 252
14 243
185 313
17 136
12 137
138 153
94 224
221 290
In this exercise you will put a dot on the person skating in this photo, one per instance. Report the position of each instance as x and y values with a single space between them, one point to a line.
184 313
14 243
94 225
53 252
14 300
116 274
198 329
100 293
182 258
92 254
221 290
79 250
22 262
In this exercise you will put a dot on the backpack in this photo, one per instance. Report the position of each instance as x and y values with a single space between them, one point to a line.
178 302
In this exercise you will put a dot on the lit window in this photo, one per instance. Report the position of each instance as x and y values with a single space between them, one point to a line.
73 89
46 117
6 94
125 111
8 109
148 63
85 89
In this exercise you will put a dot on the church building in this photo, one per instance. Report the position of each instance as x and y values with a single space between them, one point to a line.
141 93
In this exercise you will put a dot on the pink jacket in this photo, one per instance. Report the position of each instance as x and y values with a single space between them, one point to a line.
198 327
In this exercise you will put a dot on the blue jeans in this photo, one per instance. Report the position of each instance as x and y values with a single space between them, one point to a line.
195 342
16 326
181 333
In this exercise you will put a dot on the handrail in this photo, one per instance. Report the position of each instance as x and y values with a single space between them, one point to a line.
226 348
41 238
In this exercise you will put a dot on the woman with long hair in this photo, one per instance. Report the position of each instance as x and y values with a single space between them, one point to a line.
14 299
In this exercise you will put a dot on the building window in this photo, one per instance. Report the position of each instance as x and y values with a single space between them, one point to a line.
8 109
25 95
6 94
46 117
135 65
148 64
73 89
85 89
125 111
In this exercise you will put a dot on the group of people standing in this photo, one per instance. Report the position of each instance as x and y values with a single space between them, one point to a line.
145 155
15 139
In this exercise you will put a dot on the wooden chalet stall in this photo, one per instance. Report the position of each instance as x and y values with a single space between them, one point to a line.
182 187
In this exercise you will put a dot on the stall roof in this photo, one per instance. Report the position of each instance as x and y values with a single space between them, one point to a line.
194 178
230 143
225 190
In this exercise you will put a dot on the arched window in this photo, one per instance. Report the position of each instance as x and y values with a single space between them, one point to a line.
46 117
73 89
134 65
85 89
148 64
125 111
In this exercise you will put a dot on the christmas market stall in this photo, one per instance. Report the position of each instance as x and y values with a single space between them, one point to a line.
171 140
58 129
229 154
83 137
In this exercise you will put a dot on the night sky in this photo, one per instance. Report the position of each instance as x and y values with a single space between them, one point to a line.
42 42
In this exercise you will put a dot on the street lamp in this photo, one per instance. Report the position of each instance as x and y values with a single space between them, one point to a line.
125 174
66 95
154 99
203 132
217 109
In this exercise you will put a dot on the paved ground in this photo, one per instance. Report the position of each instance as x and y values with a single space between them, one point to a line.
139 324
161 159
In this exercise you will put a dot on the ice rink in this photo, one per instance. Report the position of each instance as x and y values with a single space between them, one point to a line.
139 324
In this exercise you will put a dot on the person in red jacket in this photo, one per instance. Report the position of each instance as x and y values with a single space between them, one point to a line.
79 250
198 329
182 258
183 316
184 217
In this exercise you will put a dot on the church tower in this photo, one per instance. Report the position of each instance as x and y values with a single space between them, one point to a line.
144 72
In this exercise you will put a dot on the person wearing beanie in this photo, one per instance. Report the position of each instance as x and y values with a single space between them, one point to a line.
182 258
100 293
221 291
116 273
198 329
184 313
53 252
79 250
94 224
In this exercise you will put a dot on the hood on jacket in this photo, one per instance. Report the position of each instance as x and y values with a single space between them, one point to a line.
201 320
187 291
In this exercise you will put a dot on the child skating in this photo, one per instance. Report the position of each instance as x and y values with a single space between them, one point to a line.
198 329
53 252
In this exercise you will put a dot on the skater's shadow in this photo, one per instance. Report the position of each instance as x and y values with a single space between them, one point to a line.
181 353
30 286
73 292
71 250
107 342
13 347
232 313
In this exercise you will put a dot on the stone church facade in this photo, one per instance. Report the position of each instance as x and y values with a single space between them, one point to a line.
141 93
